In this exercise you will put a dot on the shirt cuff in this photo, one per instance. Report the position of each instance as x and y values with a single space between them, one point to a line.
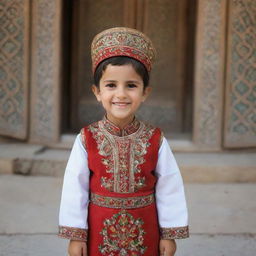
174 233
71 233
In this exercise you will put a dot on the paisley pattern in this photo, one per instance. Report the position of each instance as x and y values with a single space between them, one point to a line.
123 235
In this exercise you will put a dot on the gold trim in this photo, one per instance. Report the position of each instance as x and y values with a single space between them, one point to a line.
72 233
122 157
122 203
161 139
174 233
83 138
122 41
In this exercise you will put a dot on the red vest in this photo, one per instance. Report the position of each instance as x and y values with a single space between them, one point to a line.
122 216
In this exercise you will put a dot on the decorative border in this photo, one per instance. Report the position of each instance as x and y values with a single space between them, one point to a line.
14 71
79 234
115 130
240 115
209 73
174 233
122 203
45 71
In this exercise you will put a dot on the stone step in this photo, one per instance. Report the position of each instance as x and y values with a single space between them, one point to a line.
201 167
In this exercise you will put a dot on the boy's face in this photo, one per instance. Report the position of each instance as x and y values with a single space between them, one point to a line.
121 92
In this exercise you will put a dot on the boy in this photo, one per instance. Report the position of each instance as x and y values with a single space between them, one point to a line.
123 192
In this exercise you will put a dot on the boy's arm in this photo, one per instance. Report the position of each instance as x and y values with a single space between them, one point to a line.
170 197
74 199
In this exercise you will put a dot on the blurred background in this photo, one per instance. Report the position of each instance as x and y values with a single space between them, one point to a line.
204 99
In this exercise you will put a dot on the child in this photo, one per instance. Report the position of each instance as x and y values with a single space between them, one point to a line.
122 192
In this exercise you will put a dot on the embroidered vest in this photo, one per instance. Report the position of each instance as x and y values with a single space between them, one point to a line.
121 165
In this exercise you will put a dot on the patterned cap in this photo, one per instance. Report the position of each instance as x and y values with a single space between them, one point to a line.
122 41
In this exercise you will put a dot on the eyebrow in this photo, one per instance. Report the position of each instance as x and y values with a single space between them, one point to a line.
133 81
109 81
129 81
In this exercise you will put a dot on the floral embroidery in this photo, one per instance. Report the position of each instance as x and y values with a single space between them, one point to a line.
73 233
123 234
122 42
174 233
122 156
120 202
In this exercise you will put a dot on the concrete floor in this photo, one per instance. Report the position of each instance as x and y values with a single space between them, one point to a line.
222 218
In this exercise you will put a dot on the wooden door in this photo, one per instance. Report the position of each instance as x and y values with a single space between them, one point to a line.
165 23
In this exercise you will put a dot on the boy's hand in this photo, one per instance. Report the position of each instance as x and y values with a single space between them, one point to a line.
167 247
77 248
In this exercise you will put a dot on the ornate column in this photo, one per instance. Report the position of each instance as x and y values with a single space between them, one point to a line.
240 115
14 67
209 73
45 71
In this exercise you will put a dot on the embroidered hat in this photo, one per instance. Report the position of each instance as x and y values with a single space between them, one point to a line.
122 41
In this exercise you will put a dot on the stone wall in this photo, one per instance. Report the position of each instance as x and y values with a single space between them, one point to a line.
224 85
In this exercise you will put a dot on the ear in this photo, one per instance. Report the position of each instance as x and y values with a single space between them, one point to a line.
96 92
146 93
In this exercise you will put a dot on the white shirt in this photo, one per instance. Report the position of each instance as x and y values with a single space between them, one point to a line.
169 191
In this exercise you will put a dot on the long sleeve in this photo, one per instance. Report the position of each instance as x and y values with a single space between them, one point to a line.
75 191
170 197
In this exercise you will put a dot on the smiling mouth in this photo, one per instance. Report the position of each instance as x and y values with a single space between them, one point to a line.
121 104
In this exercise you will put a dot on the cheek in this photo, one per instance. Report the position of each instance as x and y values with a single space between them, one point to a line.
138 99
105 99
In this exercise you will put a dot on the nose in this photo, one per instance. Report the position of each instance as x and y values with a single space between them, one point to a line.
120 92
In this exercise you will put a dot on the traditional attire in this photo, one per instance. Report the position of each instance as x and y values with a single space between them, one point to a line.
122 191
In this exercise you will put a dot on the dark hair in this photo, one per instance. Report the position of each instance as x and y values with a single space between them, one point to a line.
119 61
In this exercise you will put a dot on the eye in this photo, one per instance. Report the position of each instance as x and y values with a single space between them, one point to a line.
110 85
131 85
